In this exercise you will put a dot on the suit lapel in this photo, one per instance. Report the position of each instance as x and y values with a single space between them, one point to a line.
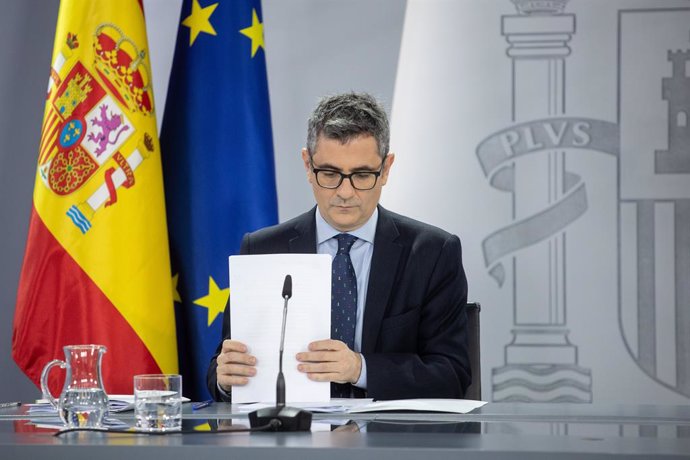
305 240
384 263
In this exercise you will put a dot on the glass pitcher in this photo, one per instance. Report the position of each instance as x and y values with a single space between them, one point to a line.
83 402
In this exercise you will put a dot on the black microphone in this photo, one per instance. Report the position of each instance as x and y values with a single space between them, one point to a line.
282 418
287 288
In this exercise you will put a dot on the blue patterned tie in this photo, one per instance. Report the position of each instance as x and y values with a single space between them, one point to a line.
343 303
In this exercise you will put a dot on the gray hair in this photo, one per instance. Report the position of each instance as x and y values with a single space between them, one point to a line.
346 116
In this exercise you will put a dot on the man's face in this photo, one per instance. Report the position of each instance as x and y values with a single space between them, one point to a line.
346 208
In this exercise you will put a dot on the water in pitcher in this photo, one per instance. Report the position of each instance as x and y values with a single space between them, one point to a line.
84 408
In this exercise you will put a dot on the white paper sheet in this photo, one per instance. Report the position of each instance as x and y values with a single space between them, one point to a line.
459 406
256 311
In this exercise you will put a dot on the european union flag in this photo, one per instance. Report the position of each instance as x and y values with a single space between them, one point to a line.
218 166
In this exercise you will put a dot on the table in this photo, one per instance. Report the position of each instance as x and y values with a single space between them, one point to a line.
495 431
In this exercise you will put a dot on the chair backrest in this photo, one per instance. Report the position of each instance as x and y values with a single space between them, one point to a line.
474 391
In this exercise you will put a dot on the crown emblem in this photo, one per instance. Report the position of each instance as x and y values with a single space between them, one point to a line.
540 7
121 64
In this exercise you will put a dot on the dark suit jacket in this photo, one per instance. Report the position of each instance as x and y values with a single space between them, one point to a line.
414 335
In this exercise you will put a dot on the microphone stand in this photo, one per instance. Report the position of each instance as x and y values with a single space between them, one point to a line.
280 383
281 417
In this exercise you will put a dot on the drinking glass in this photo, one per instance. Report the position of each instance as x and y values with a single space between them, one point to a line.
158 402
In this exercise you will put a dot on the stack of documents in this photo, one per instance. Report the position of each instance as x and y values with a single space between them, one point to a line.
116 403
46 415
356 406
335 405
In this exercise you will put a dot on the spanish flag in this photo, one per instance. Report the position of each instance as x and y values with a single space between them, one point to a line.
97 265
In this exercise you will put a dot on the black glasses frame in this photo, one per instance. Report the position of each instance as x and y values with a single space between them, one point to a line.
376 175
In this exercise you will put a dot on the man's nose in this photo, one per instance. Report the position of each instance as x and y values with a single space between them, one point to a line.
346 190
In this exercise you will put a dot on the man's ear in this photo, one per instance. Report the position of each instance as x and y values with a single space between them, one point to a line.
307 163
387 163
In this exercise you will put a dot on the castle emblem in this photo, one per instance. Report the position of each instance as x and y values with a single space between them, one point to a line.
676 91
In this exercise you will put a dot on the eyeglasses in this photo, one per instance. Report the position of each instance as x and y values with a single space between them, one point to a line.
360 180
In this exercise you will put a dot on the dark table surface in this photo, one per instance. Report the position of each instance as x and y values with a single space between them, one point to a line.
495 431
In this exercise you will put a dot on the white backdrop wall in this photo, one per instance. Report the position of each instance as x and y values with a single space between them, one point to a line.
557 146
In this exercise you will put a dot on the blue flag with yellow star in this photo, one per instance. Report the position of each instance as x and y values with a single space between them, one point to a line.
218 166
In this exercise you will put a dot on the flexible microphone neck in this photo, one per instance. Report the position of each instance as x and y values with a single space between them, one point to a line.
280 383
282 335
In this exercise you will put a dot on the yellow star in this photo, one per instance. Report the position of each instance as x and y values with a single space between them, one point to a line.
215 300
176 293
255 32
199 21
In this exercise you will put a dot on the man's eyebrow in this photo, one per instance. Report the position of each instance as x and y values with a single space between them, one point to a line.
366 168
327 166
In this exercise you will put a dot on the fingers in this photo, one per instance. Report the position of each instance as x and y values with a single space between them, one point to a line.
237 369
341 365
318 356
229 375
323 350
330 367
235 352
233 345
327 377
233 374
234 357
235 365
328 344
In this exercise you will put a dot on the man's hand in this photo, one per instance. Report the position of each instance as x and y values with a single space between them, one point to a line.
330 361
235 365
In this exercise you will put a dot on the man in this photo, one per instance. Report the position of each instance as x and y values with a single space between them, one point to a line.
399 289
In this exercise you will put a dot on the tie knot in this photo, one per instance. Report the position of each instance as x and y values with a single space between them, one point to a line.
345 242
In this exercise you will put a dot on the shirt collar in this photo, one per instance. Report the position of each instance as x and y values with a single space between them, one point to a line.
366 232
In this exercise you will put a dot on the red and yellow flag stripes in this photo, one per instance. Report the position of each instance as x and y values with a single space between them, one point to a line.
97 267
